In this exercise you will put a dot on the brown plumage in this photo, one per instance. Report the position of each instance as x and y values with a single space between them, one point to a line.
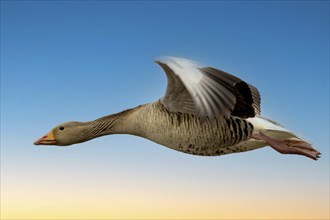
205 111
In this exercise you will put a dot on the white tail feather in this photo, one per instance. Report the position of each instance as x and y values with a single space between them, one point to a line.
271 128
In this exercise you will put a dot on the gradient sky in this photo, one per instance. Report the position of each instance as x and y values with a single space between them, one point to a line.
80 60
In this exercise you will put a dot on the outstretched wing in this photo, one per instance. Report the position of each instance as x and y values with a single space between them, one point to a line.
206 91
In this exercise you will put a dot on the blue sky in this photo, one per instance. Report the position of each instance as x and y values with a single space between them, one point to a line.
80 60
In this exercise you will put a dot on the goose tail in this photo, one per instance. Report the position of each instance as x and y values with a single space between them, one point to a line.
281 139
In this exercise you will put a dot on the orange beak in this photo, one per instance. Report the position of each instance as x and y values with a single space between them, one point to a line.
48 139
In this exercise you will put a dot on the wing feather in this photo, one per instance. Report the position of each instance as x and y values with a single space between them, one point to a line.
206 91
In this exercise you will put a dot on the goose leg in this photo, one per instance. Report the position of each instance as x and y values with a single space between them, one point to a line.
289 146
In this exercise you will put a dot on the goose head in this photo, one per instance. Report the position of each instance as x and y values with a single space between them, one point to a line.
64 134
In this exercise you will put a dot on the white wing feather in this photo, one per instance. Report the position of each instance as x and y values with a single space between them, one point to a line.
203 91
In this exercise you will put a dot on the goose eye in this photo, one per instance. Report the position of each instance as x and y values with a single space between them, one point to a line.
61 128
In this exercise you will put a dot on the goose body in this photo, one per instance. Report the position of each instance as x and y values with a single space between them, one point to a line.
205 111
186 133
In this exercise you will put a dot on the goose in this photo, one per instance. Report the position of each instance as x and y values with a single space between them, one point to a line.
205 111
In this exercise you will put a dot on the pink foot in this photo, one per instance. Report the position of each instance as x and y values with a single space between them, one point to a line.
289 146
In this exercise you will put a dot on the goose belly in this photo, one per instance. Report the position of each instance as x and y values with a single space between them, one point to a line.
185 133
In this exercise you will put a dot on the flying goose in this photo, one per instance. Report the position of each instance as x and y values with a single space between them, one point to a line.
205 111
